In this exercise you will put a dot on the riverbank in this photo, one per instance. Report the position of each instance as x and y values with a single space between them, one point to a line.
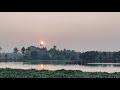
31 73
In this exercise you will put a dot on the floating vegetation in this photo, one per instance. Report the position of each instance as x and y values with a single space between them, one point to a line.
32 73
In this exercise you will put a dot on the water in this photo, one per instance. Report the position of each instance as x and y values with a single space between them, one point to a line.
90 67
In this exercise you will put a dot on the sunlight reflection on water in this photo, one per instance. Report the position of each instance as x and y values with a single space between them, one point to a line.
21 65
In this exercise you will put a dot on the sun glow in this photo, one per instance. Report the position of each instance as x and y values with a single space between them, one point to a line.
41 43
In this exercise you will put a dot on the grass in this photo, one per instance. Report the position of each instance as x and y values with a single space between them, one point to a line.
31 73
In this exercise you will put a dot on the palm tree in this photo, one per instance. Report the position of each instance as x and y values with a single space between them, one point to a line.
0 48
28 49
15 50
23 50
54 47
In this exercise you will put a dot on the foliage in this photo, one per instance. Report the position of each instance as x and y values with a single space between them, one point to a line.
15 50
53 53
34 55
23 50
31 73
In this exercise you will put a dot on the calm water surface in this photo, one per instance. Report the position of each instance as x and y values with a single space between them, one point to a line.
90 67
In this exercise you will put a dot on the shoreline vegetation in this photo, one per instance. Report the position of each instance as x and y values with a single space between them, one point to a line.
32 73
42 53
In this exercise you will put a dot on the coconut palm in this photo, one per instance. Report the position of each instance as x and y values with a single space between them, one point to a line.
0 48
23 50
15 50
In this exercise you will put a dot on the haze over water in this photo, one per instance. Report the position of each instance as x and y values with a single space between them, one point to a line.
80 31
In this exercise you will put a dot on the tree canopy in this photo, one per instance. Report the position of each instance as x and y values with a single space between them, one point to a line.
36 53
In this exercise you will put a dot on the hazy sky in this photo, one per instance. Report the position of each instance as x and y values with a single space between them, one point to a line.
80 31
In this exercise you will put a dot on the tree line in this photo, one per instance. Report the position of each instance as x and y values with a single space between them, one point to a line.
36 53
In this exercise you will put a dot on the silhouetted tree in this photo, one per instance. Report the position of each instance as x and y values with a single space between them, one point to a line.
28 49
34 55
44 49
0 48
15 50
73 57
54 47
23 50
46 57
33 52
6 56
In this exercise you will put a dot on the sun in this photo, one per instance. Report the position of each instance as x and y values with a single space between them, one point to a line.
42 43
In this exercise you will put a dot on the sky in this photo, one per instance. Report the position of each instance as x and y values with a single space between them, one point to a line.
79 31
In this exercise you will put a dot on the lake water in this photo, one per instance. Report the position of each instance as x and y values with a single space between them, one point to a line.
90 67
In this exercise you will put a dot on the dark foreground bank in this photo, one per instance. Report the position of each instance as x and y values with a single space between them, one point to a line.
19 73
